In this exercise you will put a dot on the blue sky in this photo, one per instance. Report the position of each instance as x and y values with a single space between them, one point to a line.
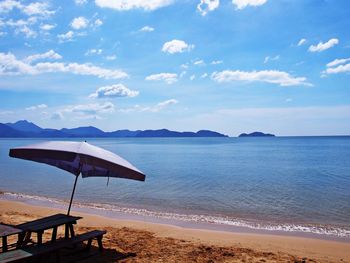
279 66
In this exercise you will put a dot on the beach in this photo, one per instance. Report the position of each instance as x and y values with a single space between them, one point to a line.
137 241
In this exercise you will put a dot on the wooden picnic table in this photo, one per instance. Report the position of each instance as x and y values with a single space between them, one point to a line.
5 231
51 222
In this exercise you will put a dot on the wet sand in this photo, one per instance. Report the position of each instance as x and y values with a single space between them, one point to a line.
137 241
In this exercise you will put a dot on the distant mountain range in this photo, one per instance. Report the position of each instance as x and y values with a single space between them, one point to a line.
27 129
256 134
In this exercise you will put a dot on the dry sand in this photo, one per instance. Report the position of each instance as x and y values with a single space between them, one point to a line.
135 241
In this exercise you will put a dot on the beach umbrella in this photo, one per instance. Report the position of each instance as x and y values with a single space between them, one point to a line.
78 158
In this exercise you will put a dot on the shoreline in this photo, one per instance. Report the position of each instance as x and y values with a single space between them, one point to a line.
148 216
322 250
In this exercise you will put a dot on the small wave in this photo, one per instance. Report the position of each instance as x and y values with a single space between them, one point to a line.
328 230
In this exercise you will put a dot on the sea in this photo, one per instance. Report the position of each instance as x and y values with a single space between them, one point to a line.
281 185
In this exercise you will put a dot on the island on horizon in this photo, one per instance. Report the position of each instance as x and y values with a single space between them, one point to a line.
256 134
24 128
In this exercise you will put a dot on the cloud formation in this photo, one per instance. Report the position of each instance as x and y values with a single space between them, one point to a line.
169 78
337 66
79 23
66 37
324 46
47 55
94 108
176 46
155 108
338 62
36 107
146 29
114 91
301 42
269 76
93 51
124 5
268 58
10 65
47 27
35 8
206 6
241 4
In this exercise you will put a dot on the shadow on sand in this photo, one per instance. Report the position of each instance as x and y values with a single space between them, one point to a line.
80 254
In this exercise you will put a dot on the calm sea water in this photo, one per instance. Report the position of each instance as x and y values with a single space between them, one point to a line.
291 184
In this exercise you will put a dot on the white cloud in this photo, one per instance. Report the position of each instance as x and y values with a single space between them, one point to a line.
156 108
216 62
270 76
112 57
47 55
94 108
206 6
84 111
169 78
80 2
184 66
79 23
66 37
114 91
176 46
28 32
35 8
123 5
22 27
47 27
81 69
183 73
301 42
192 77
199 62
146 29
57 116
10 65
8 5
98 22
338 62
324 46
36 107
93 51
241 4
339 69
268 58
204 75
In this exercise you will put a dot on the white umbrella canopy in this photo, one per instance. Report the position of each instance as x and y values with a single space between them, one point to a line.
79 158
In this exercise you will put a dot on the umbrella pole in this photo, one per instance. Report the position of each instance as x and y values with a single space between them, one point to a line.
71 198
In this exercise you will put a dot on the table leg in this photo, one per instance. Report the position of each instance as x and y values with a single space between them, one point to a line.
20 241
40 237
71 230
27 237
54 234
4 244
66 231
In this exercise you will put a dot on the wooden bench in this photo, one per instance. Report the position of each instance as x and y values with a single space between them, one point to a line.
51 247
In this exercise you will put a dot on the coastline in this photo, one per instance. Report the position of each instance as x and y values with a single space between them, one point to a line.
187 221
317 249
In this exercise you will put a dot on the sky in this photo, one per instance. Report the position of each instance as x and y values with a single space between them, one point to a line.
277 66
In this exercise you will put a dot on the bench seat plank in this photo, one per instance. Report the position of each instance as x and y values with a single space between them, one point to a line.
46 248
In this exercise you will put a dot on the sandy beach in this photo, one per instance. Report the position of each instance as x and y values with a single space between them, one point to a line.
136 241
